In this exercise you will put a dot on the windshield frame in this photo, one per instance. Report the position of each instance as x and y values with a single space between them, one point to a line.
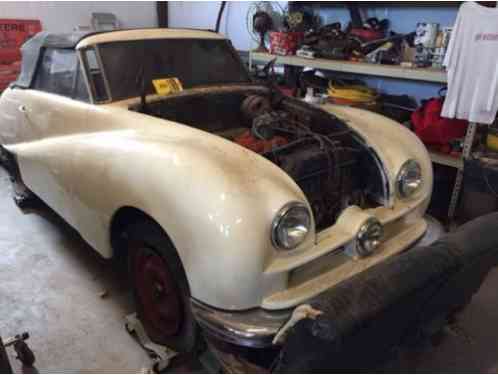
109 98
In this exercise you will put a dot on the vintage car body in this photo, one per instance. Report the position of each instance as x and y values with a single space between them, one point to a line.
96 162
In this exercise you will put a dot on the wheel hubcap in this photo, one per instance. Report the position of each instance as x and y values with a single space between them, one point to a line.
157 292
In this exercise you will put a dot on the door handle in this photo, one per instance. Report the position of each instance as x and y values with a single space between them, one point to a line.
23 109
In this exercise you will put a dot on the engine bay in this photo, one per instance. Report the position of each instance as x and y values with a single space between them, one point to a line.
327 160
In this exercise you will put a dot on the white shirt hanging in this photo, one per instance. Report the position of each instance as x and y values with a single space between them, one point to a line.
472 65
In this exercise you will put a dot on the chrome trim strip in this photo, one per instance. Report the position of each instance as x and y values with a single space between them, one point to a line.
253 328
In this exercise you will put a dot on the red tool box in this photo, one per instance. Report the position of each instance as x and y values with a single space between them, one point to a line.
285 43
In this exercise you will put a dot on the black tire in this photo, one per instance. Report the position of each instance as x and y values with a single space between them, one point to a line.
23 197
148 235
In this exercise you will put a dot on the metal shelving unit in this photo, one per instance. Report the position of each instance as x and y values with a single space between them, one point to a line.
390 71
467 149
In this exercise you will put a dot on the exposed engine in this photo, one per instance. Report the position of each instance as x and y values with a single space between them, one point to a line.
321 161
319 152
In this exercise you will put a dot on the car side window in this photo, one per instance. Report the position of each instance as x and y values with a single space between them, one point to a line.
59 72
95 75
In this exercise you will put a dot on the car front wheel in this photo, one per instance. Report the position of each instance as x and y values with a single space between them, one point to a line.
160 288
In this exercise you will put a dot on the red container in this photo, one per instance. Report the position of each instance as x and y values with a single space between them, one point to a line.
367 35
285 43
13 33
433 129
6 79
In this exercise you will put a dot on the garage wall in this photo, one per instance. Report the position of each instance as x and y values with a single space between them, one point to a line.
63 16
203 14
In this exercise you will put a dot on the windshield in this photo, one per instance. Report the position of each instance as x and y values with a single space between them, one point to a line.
195 62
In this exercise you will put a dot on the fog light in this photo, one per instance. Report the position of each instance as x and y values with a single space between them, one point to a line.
369 237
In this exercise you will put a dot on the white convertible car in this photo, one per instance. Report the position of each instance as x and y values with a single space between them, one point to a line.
233 203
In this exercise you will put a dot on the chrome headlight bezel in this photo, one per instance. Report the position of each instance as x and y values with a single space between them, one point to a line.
291 208
409 179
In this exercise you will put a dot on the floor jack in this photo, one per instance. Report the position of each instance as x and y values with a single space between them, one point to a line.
160 355
23 352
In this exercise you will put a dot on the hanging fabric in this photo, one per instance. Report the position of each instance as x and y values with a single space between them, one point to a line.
472 65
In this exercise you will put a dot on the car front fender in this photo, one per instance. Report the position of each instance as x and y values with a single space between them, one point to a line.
393 143
215 199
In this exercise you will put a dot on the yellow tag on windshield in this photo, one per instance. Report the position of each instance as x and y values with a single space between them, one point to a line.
167 86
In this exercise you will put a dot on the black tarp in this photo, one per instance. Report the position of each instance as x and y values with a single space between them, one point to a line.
402 300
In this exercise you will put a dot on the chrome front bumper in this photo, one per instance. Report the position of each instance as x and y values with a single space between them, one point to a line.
253 328
257 327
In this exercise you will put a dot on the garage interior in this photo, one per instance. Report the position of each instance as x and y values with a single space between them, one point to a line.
386 58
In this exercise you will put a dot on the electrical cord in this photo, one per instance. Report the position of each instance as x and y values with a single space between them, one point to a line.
354 94
220 14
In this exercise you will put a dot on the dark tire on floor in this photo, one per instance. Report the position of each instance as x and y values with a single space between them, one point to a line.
160 288
23 197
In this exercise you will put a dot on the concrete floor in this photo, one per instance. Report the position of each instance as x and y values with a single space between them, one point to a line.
51 281
50 285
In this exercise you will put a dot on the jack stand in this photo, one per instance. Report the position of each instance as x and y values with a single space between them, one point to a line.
24 353
161 355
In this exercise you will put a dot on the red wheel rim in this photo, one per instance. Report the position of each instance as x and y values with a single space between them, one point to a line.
157 292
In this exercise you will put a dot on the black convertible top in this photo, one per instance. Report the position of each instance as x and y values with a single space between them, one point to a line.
31 49
59 40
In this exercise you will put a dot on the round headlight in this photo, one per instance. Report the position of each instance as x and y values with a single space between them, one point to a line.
409 179
369 236
291 226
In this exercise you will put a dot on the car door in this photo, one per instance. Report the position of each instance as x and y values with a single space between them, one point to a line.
55 106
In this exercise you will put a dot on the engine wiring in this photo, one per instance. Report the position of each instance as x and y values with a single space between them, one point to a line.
267 125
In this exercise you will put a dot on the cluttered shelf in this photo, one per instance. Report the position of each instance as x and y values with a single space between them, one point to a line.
381 70
394 71
385 48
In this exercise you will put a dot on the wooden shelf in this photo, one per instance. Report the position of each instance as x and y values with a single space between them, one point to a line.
445 159
390 71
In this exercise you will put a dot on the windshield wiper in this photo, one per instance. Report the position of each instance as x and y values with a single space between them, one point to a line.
141 85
